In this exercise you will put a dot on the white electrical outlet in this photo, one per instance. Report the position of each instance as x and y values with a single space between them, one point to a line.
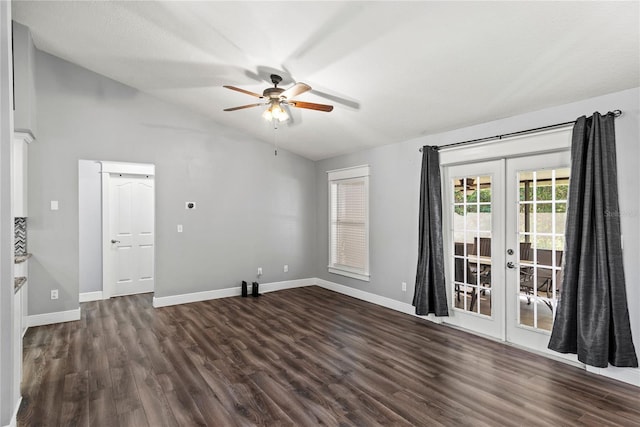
286 268
179 228
404 286
259 271
54 294
54 205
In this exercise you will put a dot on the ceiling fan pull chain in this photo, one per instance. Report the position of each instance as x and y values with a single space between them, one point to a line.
275 139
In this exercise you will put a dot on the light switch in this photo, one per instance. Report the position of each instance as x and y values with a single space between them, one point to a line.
54 205
179 228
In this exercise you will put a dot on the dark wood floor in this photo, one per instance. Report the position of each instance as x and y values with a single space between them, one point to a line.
300 357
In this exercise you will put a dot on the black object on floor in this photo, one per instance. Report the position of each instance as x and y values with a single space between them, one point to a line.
254 289
244 289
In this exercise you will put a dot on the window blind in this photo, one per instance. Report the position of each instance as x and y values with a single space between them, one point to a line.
348 234
349 223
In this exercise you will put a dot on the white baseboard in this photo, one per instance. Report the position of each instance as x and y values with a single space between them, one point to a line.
91 296
289 284
392 304
627 375
227 292
51 318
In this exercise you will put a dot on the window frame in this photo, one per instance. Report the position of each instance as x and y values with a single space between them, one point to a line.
345 174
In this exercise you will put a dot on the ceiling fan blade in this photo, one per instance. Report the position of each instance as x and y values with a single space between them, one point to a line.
237 89
242 107
311 106
338 99
295 90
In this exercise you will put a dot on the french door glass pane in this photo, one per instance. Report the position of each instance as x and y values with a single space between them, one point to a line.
471 210
541 226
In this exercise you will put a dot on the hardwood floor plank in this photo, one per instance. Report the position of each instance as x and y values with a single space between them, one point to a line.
75 408
102 408
297 357
188 380
289 402
155 404
125 392
134 418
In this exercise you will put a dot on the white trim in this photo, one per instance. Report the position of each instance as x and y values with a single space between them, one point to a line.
350 172
128 168
24 136
227 292
392 304
347 273
55 317
14 418
289 284
517 146
627 375
91 296
334 176
106 246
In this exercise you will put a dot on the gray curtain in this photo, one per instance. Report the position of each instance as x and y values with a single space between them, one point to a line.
592 318
430 292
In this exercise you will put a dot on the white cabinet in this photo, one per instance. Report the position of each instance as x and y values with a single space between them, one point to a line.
21 270
17 341
21 141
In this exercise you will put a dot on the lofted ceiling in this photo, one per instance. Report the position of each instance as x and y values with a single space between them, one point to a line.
393 70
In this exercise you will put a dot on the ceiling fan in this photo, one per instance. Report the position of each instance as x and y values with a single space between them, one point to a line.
276 98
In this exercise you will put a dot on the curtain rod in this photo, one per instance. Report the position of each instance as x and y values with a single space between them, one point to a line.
616 113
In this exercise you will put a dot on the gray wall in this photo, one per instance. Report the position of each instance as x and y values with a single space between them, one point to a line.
253 209
394 196
24 79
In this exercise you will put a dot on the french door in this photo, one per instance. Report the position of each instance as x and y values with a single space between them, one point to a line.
504 228
537 192
474 250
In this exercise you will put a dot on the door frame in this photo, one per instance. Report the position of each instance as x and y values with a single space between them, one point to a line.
108 168
535 143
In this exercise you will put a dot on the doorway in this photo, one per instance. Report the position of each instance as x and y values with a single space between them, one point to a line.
504 242
128 228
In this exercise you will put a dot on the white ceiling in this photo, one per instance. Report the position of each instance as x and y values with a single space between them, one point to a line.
393 70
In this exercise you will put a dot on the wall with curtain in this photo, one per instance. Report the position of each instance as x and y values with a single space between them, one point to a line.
394 195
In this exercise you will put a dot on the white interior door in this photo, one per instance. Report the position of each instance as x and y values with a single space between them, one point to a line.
473 202
131 233
537 191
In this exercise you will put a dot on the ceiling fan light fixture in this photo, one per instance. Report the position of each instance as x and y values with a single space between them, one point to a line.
275 111
275 97
278 113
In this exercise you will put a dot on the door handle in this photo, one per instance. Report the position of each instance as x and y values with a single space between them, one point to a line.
511 265
115 241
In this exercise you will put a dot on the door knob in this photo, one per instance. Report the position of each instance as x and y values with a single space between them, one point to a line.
115 241
511 265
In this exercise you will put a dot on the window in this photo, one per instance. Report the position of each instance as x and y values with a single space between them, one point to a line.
349 222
